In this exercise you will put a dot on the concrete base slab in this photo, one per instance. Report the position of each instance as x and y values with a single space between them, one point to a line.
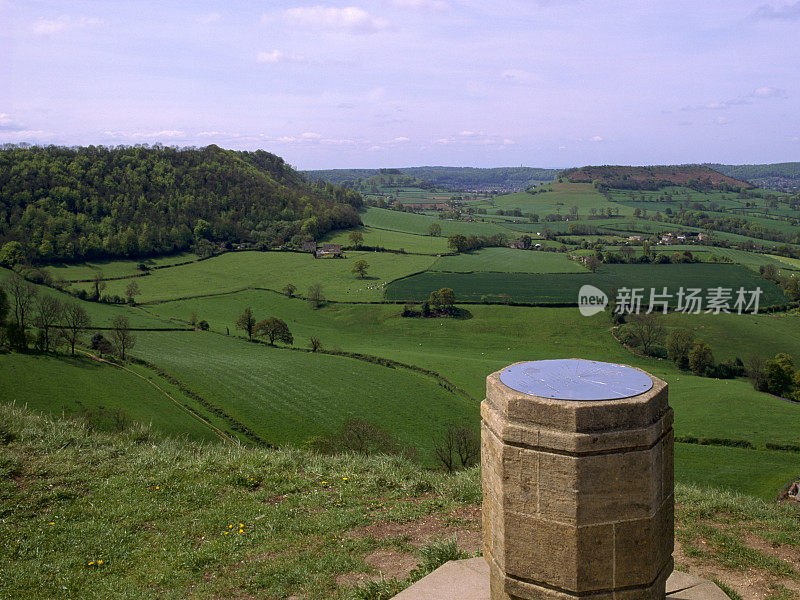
469 580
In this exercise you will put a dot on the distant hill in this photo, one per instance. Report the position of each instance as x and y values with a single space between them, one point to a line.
777 176
450 178
654 177
76 203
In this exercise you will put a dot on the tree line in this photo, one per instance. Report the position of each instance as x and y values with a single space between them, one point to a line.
47 322
79 203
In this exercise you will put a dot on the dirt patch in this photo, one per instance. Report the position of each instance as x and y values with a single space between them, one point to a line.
274 500
787 554
751 584
389 563
464 523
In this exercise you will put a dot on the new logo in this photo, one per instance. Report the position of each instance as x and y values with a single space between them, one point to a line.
591 300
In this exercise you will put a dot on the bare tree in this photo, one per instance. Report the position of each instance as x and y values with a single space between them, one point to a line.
121 335
99 284
314 344
315 296
23 294
468 445
49 314
646 331
76 322
131 291
444 450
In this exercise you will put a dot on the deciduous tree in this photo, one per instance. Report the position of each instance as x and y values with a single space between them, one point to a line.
49 313
247 322
434 229
121 335
316 297
274 329
131 291
356 239
360 268
76 322
701 358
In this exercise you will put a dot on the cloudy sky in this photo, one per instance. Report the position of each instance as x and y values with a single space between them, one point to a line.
410 82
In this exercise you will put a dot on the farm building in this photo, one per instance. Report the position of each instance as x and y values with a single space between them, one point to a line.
334 250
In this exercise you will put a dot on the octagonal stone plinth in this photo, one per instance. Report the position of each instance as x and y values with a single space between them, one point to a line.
577 494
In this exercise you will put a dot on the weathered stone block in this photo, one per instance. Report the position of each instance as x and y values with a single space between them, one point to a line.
578 495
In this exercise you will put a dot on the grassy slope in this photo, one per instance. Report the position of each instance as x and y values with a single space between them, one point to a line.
173 520
114 268
466 351
733 336
288 397
508 260
557 287
392 240
49 383
399 221
101 314
238 270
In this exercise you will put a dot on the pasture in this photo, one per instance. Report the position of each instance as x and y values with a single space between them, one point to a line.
114 268
392 240
563 288
75 386
288 397
508 260
273 270
743 336
465 351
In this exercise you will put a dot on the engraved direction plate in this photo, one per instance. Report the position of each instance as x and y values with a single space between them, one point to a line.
572 379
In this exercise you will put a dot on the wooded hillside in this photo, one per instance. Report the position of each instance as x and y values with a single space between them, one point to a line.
89 202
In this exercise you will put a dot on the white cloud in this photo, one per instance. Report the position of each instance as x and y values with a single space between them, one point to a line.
375 148
432 5
208 18
279 56
788 12
508 142
376 94
165 133
769 92
518 76
51 26
466 133
722 121
596 138
310 135
400 140
349 19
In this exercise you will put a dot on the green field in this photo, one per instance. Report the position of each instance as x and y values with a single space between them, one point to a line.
101 314
563 288
466 351
287 397
508 260
413 223
114 268
758 473
743 336
393 240
238 270
71 386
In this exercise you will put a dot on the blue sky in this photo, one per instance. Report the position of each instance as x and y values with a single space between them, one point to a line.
410 82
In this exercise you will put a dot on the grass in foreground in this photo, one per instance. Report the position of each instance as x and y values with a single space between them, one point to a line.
91 515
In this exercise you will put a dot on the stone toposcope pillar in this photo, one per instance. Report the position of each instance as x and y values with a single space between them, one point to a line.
577 461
